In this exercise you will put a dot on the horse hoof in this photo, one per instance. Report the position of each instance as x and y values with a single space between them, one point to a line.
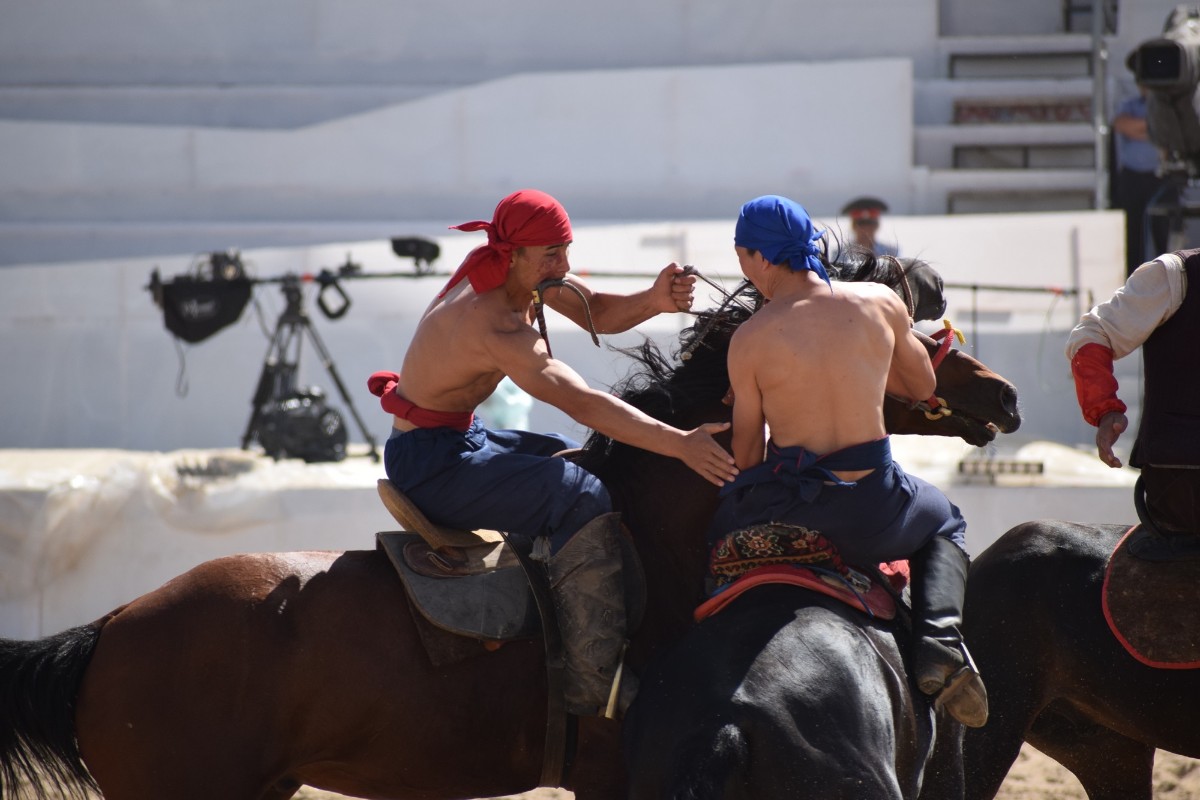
965 698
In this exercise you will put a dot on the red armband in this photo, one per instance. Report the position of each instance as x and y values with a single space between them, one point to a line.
1095 386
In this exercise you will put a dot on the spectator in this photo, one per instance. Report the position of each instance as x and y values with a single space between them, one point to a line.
865 214
1137 181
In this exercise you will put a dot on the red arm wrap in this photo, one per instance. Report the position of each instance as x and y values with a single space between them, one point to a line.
1095 386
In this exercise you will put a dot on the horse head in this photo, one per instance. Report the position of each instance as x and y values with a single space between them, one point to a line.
983 403
974 403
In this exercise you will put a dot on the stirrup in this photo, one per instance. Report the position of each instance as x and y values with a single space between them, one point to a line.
964 697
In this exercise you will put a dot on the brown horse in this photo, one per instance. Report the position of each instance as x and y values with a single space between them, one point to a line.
252 675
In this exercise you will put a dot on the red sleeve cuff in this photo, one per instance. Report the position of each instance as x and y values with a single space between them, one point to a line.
1095 386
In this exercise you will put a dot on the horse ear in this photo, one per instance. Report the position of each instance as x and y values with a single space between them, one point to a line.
928 291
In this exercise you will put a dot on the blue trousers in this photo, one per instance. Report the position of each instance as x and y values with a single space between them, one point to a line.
498 479
886 516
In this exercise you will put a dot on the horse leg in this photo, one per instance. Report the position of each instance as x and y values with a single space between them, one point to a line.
989 752
1108 765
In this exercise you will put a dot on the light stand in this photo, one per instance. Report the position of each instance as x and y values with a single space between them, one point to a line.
277 380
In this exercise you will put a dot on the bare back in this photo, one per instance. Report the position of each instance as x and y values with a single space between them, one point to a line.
814 363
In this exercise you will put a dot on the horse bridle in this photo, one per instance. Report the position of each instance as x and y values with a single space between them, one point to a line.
935 407
909 301
706 328
539 309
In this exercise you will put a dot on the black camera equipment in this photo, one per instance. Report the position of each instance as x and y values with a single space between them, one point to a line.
422 251
1168 69
291 421
287 420
212 296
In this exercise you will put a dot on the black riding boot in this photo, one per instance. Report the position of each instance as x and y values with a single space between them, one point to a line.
589 598
941 664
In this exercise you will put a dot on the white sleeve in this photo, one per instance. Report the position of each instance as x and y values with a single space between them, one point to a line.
1148 299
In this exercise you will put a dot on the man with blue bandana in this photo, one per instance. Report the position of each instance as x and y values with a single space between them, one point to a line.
813 366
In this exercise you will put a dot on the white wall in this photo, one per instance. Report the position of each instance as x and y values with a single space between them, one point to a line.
626 144
304 42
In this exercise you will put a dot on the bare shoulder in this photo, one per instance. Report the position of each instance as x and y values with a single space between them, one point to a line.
868 289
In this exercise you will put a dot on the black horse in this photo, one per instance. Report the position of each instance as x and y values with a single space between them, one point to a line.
784 694
1057 677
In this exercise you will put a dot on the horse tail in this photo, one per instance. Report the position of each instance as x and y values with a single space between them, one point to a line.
712 765
39 682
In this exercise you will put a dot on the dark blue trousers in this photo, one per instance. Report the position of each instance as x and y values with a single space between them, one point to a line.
503 480
886 516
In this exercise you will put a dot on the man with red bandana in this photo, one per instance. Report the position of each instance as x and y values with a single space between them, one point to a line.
478 330
1156 311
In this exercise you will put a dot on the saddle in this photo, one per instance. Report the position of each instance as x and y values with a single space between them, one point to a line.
470 587
468 583
774 553
1150 595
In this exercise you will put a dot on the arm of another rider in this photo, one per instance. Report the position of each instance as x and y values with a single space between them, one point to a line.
522 356
911 374
615 313
749 422
1113 329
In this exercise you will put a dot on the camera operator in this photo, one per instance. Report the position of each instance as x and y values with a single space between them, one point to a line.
1167 72
1137 180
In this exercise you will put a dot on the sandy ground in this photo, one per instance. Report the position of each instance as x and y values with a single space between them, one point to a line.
1033 777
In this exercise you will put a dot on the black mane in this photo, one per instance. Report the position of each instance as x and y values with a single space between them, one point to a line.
695 374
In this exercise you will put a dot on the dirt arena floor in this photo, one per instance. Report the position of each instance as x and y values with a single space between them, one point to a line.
1033 777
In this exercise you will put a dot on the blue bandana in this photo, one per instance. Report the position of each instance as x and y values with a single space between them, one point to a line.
781 230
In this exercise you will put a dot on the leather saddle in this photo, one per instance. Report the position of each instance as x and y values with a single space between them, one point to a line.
1150 595
469 583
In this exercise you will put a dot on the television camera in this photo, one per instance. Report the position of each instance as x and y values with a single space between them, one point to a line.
287 420
1168 68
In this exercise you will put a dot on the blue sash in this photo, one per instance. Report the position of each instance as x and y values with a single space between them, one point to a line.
806 472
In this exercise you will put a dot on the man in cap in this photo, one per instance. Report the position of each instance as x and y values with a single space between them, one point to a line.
864 214
813 366
478 330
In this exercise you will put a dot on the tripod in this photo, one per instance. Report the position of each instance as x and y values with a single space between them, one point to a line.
278 378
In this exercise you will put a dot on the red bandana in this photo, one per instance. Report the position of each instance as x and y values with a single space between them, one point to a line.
527 218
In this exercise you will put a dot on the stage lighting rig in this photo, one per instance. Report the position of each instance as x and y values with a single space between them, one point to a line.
286 420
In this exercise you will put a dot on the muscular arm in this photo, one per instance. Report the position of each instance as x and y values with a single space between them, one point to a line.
616 313
522 356
911 375
749 422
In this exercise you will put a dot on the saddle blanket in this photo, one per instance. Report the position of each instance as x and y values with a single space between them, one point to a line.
793 555
1150 603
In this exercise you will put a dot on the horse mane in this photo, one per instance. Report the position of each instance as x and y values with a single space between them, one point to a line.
858 264
667 386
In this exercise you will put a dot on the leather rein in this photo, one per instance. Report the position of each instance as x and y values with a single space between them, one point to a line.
935 407
539 306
